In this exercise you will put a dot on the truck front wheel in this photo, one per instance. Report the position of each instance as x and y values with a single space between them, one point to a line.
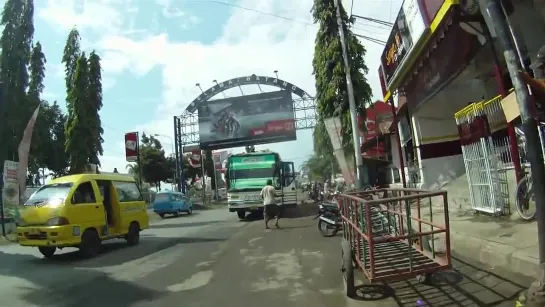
241 214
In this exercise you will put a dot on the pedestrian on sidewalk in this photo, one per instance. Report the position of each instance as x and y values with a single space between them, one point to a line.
271 210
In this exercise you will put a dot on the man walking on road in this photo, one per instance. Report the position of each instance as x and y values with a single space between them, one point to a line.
268 194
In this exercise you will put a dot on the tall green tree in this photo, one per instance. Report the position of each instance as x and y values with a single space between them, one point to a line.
95 105
16 46
70 57
78 126
56 157
330 73
320 167
42 131
37 73
155 166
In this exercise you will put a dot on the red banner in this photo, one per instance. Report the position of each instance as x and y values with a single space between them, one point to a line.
219 158
378 119
131 146
195 159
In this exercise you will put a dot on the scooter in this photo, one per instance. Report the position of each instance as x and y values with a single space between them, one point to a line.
329 219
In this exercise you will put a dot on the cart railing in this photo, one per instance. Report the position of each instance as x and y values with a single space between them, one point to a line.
393 233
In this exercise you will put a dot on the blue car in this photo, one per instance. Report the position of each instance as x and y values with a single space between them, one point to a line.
171 202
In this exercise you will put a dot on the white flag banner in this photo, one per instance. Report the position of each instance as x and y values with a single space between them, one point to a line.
24 148
334 130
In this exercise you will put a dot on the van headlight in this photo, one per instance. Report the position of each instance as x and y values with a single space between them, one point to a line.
57 221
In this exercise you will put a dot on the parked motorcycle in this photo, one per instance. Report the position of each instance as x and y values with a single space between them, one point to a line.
329 219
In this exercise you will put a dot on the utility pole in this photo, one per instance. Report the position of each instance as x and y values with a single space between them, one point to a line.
351 100
536 292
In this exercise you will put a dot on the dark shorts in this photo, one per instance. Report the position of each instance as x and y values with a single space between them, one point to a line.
273 211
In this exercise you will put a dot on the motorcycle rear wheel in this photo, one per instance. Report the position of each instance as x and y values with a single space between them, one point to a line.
326 229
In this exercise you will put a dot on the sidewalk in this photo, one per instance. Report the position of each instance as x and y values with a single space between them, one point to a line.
498 241
505 243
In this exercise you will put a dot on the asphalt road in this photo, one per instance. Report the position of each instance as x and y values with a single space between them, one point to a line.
211 259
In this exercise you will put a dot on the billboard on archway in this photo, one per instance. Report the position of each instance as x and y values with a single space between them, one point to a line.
247 120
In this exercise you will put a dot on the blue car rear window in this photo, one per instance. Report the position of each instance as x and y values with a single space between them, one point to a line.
162 197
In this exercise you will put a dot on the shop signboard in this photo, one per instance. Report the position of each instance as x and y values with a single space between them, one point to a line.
459 47
407 30
131 146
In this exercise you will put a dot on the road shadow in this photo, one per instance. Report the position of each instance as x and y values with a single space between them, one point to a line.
117 252
302 210
155 217
465 286
68 286
253 217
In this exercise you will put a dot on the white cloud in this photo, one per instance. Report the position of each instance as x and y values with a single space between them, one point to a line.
251 43
97 15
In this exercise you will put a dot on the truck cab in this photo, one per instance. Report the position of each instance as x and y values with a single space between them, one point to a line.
247 174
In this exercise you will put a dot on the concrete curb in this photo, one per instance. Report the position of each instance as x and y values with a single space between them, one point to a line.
497 255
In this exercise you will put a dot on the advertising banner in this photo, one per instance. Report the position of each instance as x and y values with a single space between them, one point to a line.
377 122
334 129
247 120
10 192
131 146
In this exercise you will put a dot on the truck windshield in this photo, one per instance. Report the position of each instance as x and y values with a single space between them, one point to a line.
49 192
252 173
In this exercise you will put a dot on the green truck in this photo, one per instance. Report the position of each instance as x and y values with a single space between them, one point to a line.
247 173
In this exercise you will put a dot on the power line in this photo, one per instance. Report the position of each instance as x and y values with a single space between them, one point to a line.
257 11
371 39
380 22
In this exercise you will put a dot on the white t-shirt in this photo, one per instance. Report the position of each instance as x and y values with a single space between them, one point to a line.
269 195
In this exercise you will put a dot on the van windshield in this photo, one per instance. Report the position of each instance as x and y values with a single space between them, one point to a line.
56 191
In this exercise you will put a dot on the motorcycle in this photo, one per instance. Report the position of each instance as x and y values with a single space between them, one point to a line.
329 219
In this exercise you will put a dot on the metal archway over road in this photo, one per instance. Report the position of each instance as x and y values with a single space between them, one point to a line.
186 126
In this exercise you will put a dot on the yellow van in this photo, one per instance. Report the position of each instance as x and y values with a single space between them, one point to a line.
82 211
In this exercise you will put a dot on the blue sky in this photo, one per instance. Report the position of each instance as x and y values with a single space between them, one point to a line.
155 51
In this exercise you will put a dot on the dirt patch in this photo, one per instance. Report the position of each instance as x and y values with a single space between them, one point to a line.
8 239
211 206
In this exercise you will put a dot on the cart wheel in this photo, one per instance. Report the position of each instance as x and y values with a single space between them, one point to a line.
424 279
347 268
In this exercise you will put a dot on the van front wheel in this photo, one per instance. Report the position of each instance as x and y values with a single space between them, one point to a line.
47 251
133 237
90 243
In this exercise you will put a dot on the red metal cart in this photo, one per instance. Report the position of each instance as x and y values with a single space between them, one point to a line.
391 234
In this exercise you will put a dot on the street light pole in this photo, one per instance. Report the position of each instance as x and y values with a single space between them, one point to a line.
535 294
351 100
176 160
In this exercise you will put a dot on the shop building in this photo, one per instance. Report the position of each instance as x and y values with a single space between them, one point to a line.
444 74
